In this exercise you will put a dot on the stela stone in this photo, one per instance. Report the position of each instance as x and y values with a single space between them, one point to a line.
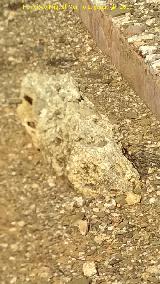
74 138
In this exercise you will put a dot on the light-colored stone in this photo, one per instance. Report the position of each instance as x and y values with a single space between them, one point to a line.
133 198
149 22
77 141
111 204
21 223
152 57
100 238
141 37
89 269
83 227
146 49
156 64
79 201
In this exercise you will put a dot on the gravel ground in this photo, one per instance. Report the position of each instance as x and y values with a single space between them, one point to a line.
113 243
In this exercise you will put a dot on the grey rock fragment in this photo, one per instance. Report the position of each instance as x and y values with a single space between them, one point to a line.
76 140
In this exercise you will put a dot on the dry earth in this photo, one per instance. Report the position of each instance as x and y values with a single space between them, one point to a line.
39 241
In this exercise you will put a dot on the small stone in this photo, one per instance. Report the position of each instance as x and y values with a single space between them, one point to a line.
146 49
140 38
83 227
150 171
89 269
120 199
156 64
51 182
44 272
13 280
11 16
21 224
133 198
14 247
95 210
152 200
149 22
79 201
111 204
100 238
135 30
3 245
35 186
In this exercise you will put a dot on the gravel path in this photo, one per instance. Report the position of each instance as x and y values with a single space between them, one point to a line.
40 240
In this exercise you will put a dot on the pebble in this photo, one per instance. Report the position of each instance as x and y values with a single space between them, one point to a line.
14 247
152 200
152 57
135 30
111 204
100 238
149 22
44 272
51 182
133 198
13 280
89 268
83 227
146 49
21 224
79 201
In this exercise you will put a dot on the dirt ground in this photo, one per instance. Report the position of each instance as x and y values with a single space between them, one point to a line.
39 242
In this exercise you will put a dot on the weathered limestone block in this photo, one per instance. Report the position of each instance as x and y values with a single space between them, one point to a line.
76 141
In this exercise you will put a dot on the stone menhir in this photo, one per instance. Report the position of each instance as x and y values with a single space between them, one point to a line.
75 139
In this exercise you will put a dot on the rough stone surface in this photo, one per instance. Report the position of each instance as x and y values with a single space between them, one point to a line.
89 268
132 198
76 140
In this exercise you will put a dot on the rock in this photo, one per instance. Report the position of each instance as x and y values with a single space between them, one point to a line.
100 238
149 22
44 272
133 198
13 280
146 49
111 204
83 226
140 38
21 223
89 269
156 65
79 201
76 140
152 200
152 57
135 30
11 16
